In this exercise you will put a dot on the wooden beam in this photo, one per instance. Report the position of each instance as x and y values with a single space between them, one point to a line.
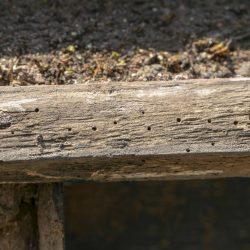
122 131
50 217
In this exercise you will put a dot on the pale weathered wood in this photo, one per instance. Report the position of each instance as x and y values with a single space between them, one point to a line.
50 217
111 131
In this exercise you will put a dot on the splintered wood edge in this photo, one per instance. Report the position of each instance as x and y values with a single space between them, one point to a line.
125 131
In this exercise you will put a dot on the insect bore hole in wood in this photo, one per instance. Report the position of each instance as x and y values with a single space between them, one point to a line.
36 109
69 129
94 128
209 120
115 122
12 132
178 119
149 128
236 123
187 150
212 143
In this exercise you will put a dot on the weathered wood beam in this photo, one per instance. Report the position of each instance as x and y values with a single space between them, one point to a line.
122 131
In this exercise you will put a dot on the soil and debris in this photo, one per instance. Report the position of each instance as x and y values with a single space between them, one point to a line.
76 41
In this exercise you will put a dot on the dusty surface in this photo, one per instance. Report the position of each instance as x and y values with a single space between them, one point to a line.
62 42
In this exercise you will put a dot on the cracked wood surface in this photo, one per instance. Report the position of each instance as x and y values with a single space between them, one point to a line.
122 131
31 217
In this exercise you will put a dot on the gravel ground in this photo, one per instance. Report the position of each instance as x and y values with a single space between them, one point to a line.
70 41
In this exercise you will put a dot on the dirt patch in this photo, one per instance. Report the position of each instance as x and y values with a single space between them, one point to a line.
65 42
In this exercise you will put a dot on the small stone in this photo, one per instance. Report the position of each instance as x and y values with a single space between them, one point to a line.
244 69
73 33
71 49
89 46
150 72
181 77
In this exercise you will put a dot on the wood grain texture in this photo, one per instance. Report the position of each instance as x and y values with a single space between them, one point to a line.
50 217
107 130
